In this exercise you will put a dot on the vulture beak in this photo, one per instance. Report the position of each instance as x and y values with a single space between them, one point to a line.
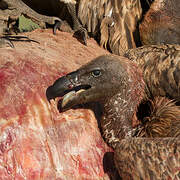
69 88
61 86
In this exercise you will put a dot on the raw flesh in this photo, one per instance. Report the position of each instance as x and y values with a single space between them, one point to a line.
36 140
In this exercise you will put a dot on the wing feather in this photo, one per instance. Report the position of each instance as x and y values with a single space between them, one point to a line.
140 158
96 15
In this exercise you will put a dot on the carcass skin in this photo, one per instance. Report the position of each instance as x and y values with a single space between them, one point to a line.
36 141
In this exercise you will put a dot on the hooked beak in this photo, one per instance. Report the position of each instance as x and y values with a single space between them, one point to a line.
69 88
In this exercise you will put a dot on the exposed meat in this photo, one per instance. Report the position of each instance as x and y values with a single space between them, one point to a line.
36 141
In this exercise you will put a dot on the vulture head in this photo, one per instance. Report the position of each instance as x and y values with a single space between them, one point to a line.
114 82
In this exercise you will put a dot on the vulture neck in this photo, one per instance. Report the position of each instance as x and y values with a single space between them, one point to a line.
119 111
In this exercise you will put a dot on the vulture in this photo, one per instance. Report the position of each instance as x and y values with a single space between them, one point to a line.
146 144
111 22
161 24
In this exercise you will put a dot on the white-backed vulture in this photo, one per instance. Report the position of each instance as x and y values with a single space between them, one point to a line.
146 141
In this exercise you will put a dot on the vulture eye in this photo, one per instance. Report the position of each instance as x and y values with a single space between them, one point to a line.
96 73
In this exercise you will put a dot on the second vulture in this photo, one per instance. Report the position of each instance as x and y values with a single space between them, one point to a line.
146 146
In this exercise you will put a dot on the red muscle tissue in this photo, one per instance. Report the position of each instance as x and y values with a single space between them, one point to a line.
36 140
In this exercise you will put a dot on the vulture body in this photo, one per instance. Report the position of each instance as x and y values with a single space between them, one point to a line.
144 149
161 23
117 21
111 22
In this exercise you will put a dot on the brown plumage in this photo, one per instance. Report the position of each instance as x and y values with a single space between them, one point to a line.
117 20
155 152
161 68
161 23
163 120
117 84
148 159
